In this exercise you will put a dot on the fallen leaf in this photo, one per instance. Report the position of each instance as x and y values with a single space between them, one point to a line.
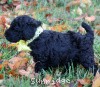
72 3
0 54
87 2
17 62
3 1
96 80
90 18
20 64
5 63
51 19
97 31
84 81
5 8
24 73
1 76
48 15
28 73
1 66
59 28
4 45
15 3
47 79
79 84
57 84
3 19
22 54
18 7
26 3
78 2
35 3
12 45
79 11
13 73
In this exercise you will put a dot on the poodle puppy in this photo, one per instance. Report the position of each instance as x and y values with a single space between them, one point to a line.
51 48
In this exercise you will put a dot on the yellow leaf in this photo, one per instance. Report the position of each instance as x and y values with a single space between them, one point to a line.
22 46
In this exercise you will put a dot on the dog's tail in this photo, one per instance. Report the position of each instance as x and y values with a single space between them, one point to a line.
87 28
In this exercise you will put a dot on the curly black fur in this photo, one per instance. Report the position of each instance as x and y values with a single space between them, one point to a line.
52 49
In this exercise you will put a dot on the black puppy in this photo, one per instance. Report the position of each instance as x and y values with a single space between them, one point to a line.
50 48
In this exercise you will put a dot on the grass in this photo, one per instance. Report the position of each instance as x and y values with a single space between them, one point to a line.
58 11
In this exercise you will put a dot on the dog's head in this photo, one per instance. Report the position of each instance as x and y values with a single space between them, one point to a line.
22 28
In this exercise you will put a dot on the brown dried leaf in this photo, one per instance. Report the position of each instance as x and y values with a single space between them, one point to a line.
13 73
5 8
72 3
20 64
57 84
51 19
0 54
90 19
5 63
35 3
47 79
23 72
12 45
1 76
97 31
12 61
48 15
59 28
84 81
17 2
22 54
1 66
79 84
4 45
96 80
28 73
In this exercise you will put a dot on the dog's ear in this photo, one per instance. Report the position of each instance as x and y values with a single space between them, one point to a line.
34 23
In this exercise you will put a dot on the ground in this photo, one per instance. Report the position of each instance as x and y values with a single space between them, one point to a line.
56 15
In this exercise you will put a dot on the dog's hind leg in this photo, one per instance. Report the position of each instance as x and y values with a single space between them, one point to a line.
87 55
39 66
